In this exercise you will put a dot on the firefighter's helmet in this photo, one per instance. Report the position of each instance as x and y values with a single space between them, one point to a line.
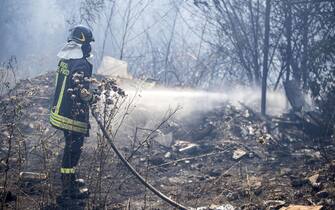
81 34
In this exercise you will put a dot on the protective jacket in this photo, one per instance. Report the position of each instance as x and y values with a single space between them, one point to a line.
69 112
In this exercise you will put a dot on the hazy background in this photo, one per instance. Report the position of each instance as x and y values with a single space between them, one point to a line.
213 46
35 30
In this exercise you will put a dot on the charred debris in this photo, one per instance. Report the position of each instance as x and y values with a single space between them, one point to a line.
231 158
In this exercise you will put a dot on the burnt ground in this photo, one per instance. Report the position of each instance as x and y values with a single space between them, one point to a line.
230 155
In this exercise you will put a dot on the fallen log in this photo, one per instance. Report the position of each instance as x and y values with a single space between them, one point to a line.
301 207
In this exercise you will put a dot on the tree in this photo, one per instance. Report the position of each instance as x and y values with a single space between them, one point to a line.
266 56
239 27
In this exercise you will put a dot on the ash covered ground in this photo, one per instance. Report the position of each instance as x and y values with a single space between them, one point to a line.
212 153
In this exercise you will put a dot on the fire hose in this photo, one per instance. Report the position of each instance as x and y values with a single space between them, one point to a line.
132 169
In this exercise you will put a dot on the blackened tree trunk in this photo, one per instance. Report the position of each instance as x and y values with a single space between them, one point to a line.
168 48
126 29
288 26
266 56
304 61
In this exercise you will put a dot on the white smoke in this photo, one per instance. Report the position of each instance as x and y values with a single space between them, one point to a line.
151 106
190 101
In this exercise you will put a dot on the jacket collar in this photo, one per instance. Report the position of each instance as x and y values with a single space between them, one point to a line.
71 50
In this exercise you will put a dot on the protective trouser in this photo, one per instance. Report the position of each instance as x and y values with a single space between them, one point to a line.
73 143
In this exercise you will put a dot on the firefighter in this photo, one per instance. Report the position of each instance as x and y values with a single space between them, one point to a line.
70 108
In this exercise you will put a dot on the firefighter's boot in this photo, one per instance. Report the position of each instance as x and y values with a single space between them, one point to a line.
80 183
73 188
